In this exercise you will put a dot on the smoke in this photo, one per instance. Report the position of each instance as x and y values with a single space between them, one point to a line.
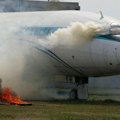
29 71
75 35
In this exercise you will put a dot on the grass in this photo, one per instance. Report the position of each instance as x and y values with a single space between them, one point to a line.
62 110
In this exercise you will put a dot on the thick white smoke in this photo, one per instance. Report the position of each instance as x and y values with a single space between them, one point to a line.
75 35
29 71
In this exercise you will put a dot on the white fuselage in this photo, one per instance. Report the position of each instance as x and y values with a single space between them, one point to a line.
100 57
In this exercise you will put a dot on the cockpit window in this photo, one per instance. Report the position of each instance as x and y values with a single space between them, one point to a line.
114 29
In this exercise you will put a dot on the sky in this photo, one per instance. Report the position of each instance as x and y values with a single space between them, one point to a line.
108 7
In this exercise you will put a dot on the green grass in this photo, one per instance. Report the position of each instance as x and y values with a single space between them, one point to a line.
62 110
103 94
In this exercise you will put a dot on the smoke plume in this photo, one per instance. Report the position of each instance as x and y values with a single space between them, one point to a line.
75 35
29 71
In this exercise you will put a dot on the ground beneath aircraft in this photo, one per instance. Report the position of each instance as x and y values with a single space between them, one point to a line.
62 110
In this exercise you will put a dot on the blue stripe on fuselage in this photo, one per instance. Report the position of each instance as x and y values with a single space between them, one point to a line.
109 38
45 31
104 38
41 31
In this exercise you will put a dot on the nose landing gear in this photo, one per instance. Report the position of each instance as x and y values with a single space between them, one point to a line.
80 90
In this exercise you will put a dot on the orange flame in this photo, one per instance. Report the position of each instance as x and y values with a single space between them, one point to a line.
7 96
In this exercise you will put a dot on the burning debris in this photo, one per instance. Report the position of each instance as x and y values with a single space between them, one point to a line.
7 97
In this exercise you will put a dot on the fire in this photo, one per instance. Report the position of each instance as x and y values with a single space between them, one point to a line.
7 96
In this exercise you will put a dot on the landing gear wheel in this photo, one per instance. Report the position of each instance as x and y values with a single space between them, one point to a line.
73 94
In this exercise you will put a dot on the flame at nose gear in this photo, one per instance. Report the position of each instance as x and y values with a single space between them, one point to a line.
8 97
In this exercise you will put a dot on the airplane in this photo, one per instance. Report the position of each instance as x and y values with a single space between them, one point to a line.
99 57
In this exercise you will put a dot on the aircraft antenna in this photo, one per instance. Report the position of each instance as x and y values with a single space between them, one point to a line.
101 15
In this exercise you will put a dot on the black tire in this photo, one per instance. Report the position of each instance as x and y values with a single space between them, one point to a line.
73 94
